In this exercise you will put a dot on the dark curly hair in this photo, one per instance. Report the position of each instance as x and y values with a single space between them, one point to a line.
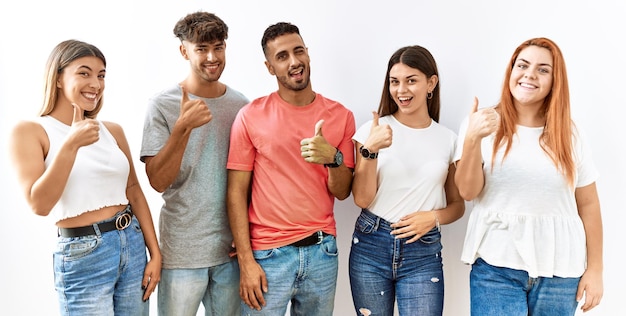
201 27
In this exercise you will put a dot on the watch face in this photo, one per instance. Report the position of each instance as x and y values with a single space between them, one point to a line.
364 152
339 158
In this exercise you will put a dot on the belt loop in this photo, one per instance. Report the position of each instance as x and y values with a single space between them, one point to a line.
96 229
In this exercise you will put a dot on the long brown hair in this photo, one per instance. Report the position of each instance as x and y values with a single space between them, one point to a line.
556 140
61 56
419 58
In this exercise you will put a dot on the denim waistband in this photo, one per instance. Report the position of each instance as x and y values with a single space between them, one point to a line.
377 221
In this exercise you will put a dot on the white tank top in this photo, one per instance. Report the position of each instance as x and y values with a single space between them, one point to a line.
99 175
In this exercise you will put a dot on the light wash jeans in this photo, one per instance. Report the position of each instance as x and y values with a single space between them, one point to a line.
384 269
101 274
181 290
304 276
496 291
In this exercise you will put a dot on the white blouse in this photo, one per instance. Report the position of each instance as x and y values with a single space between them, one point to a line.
526 217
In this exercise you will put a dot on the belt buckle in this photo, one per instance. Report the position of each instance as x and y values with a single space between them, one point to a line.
123 221
320 237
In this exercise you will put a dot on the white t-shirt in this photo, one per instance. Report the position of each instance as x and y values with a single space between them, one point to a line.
412 171
526 217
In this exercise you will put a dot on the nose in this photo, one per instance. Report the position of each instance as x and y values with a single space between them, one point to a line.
529 73
293 60
96 83
211 56
402 87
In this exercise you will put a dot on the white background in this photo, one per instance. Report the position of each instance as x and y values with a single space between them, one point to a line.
349 44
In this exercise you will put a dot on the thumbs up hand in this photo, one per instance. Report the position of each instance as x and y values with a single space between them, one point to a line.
316 149
193 112
482 122
380 135
83 131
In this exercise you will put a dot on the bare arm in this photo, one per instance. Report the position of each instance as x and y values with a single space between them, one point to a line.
29 143
253 282
137 199
163 168
365 183
591 284
469 178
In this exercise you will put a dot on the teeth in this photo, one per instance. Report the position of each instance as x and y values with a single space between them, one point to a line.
525 85
404 98
90 95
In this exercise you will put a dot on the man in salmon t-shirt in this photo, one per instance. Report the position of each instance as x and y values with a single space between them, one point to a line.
291 155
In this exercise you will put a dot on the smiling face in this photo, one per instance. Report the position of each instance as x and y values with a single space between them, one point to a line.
409 89
82 82
288 59
531 77
207 60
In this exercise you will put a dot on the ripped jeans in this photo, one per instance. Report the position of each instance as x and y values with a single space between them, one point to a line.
384 269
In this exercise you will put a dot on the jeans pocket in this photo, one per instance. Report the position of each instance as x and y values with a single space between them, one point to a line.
364 225
135 224
77 247
263 254
329 246
433 236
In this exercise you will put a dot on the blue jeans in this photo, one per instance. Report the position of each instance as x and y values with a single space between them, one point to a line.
502 291
101 274
384 269
304 276
181 290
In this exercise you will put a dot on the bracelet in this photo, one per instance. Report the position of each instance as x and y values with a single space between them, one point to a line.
437 221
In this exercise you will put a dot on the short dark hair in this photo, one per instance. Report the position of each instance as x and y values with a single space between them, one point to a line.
276 30
201 27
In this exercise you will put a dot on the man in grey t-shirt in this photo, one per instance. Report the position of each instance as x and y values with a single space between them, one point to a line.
185 148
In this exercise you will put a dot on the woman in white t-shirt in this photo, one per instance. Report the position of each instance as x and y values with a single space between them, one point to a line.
404 184
534 236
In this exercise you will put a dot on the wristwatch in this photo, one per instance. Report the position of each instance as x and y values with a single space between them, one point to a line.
367 154
338 160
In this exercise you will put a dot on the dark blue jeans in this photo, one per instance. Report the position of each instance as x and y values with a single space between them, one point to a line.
384 269
496 291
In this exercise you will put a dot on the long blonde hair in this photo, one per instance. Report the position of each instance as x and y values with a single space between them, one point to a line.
556 139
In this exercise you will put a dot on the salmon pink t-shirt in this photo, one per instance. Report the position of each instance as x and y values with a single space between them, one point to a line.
290 197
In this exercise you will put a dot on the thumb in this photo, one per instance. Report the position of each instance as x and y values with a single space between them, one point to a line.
375 119
318 128
185 96
79 114
475 105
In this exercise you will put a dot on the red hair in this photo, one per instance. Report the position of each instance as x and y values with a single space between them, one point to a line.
556 139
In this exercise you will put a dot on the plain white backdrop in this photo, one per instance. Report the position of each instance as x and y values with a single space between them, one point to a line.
349 44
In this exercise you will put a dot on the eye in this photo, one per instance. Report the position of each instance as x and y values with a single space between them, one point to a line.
544 70
393 82
411 81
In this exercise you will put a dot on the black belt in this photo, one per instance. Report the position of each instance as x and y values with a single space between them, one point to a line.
315 239
119 222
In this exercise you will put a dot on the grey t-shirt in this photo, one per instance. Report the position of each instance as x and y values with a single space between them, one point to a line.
193 223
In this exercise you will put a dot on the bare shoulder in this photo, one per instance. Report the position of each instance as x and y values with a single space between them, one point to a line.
118 133
27 129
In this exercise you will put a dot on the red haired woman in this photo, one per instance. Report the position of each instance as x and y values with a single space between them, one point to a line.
534 237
